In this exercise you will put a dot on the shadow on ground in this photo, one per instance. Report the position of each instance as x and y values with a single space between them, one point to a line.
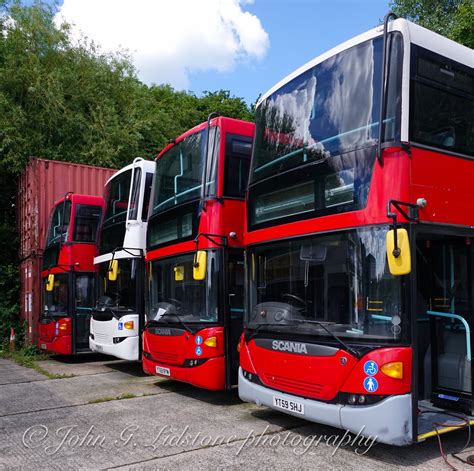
82 358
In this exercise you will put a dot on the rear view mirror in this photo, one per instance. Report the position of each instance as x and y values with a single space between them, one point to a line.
313 253
50 282
200 265
398 252
113 270
178 273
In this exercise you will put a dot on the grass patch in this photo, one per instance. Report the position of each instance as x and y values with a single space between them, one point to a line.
28 357
111 398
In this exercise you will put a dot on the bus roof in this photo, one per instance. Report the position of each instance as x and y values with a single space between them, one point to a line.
147 165
200 127
413 33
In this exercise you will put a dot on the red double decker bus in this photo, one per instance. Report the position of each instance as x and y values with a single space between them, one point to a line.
195 256
68 274
360 238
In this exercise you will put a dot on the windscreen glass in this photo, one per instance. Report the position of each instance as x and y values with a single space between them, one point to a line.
341 280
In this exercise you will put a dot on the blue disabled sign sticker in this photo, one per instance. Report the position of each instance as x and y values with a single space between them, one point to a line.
198 340
371 368
371 384
198 351
120 326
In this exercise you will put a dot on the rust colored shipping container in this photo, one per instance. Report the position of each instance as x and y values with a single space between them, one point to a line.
43 183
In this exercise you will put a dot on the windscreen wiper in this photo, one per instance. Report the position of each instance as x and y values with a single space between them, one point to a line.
186 327
332 334
106 309
257 329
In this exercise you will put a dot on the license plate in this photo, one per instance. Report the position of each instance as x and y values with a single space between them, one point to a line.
163 371
43 346
290 406
99 348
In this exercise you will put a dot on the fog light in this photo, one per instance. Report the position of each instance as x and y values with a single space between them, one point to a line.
211 342
393 369
352 399
361 400
128 325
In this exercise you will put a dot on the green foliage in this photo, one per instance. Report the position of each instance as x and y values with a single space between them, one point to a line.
451 18
69 101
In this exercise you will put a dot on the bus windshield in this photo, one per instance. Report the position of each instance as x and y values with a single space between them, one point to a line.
59 225
116 195
119 295
316 135
179 171
340 280
55 302
173 290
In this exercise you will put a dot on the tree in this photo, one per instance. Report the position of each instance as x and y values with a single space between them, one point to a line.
451 18
67 101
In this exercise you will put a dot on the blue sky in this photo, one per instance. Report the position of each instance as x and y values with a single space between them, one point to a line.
243 46
298 30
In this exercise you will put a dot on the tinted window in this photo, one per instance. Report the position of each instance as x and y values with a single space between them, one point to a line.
174 225
116 198
135 196
442 107
326 111
179 173
86 223
146 196
238 150
59 225
316 136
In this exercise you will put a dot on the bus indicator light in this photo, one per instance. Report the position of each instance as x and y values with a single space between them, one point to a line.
393 369
211 342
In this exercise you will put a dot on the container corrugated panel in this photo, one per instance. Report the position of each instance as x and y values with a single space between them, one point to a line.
40 186
30 295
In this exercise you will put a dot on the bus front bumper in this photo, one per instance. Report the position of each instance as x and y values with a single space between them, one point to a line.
127 349
388 421
62 345
210 375
103 333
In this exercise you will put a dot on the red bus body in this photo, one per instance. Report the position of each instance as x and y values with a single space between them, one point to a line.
381 375
204 356
68 255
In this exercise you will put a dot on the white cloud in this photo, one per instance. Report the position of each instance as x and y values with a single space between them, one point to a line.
169 39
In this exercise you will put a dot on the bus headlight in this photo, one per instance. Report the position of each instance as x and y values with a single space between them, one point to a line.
128 325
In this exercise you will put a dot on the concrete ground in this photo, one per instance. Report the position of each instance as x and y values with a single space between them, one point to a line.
110 415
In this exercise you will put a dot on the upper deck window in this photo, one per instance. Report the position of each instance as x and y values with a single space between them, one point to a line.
86 223
117 192
179 171
238 150
135 196
316 135
59 225
146 195
442 103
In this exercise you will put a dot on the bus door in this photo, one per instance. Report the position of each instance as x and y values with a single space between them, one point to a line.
83 304
445 320
235 289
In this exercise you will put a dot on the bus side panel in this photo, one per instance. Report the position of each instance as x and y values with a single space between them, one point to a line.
449 194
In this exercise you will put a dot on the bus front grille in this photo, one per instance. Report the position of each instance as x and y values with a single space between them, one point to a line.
291 385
